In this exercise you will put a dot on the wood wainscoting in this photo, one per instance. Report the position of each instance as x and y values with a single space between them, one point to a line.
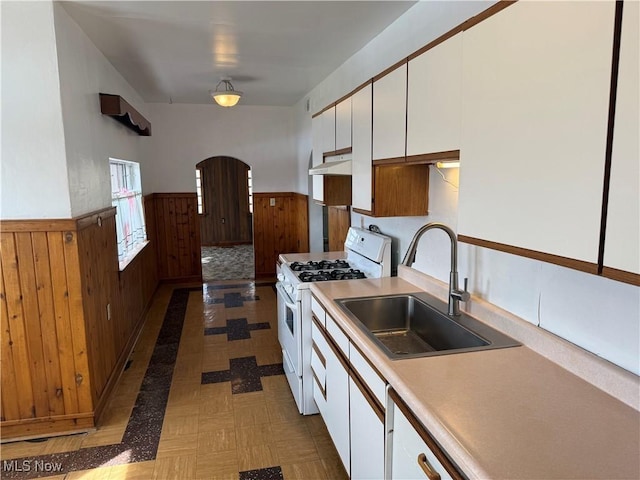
62 352
280 225
176 227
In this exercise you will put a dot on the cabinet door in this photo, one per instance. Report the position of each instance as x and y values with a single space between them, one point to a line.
407 450
623 217
337 417
434 99
361 148
390 114
329 130
343 124
535 125
317 139
367 436
331 392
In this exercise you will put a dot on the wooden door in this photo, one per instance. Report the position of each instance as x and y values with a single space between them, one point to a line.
226 219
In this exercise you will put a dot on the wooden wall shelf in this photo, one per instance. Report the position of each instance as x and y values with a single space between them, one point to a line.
115 106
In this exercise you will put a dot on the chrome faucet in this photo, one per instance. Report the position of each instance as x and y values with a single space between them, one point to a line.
455 294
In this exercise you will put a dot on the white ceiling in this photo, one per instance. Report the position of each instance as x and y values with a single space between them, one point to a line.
275 51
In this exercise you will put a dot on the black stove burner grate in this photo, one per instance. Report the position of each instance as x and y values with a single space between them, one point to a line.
319 265
336 274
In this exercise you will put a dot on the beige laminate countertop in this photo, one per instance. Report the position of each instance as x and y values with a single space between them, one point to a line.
503 414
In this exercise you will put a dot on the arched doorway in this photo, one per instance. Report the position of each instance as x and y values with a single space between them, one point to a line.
225 208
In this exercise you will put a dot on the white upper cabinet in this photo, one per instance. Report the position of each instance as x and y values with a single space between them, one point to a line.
361 149
390 114
622 239
329 130
316 133
434 99
535 94
343 124
318 180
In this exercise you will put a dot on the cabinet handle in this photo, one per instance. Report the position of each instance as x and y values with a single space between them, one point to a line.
427 468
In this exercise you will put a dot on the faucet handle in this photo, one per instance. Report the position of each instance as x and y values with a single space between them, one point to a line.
465 295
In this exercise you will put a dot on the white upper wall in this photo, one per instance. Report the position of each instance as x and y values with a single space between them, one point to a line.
34 170
185 134
90 137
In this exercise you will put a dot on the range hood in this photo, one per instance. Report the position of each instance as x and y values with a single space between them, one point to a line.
337 165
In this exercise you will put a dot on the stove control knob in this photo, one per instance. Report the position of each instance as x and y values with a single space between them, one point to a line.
281 277
289 289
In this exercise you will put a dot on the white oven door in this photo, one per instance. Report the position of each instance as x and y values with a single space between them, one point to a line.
290 328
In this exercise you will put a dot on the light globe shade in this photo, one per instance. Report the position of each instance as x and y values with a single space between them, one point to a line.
226 99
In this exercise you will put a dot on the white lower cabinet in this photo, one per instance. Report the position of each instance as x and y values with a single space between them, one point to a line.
367 436
347 395
333 402
410 456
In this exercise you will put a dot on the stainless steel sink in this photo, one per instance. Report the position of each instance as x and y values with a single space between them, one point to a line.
414 325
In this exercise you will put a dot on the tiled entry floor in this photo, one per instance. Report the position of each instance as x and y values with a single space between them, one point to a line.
209 403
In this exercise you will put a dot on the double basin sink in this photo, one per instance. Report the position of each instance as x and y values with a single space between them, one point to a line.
414 325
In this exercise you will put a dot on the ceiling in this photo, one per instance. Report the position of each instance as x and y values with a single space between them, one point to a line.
275 51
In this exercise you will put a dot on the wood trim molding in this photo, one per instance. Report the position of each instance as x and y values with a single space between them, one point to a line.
323 360
373 402
94 218
18 430
621 276
354 91
390 69
434 157
57 224
534 254
368 213
389 161
45 225
322 389
489 12
171 195
446 462
119 109
342 151
328 107
467 24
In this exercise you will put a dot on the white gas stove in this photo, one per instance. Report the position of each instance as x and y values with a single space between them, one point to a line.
367 255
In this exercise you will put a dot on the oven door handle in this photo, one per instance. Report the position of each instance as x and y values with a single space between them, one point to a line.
285 297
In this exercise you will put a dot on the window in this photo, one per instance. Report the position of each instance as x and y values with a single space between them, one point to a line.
126 196
250 185
199 191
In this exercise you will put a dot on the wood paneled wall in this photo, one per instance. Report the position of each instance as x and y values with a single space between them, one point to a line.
281 225
177 231
60 353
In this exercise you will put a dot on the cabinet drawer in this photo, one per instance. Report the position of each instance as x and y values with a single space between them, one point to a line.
318 310
338 335
411 455
367 373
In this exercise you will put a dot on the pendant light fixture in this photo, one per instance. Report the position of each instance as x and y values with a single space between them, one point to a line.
224 94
